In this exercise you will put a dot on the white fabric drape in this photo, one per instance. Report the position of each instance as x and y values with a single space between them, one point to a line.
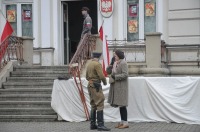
151 99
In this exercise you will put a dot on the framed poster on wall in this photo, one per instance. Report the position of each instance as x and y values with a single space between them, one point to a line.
27 15
133 10
150 9
132 26
11 15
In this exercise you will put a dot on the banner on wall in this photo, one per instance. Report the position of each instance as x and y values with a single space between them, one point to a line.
132 26
150 9
106 7
11 15
132 10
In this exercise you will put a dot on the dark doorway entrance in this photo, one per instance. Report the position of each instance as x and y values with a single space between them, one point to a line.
75 24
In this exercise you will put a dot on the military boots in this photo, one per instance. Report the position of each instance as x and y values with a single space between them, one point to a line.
93 119
100 122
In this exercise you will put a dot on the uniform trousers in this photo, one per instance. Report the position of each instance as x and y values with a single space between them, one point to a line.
96 98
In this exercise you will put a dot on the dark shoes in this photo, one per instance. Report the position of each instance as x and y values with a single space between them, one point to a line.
100 122
102 128
93 127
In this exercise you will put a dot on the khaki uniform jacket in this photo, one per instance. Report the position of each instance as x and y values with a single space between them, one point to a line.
118 94
95 72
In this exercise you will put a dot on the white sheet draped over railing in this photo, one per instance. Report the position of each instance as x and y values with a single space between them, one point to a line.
151 99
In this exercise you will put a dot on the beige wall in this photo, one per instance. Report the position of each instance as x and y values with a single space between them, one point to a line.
184 22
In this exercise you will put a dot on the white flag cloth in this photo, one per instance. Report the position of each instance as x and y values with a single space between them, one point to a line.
106 57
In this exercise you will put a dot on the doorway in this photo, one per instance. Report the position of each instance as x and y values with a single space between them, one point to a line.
73 23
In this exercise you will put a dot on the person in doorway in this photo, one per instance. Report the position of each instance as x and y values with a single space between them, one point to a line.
87 23
94 75
118 94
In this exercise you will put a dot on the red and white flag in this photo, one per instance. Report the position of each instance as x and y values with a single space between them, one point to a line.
106 57
5 28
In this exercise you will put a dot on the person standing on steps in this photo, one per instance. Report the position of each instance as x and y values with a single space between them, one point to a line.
87 26
87 23
94 75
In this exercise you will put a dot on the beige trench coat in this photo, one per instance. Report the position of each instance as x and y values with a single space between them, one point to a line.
118 94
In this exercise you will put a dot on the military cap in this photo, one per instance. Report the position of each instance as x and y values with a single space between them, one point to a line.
96 55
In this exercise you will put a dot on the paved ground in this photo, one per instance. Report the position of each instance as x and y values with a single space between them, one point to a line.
84 127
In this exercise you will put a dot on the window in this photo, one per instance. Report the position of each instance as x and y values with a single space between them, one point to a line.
141 18
150 16
11 15
22 24
27 29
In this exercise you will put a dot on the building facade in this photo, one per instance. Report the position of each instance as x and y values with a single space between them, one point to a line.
56 25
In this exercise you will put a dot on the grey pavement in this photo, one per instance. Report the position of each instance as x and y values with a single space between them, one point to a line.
84 127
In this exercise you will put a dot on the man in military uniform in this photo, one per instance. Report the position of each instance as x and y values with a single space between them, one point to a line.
87 23
94 75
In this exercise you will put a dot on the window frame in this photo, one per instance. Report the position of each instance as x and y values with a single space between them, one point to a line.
141 13
18 4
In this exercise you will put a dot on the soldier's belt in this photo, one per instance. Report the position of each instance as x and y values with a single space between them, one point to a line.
97 85
94 81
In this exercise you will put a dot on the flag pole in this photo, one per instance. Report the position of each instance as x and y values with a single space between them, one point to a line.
102 23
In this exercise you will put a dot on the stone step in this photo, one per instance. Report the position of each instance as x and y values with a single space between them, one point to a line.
28 87
40 71
37 74
25 104
27 111
27 118
18 86
31 79
27 84
26 91
41 68
25 97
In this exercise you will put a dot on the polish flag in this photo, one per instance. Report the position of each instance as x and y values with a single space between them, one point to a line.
106 57
5 28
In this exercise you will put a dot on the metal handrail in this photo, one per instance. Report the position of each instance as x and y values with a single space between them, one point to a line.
11 49
132 49
83 52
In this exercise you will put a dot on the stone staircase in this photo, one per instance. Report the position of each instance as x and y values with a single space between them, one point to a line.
26 95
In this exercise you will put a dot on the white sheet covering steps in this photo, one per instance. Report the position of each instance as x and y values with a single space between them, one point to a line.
151 99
